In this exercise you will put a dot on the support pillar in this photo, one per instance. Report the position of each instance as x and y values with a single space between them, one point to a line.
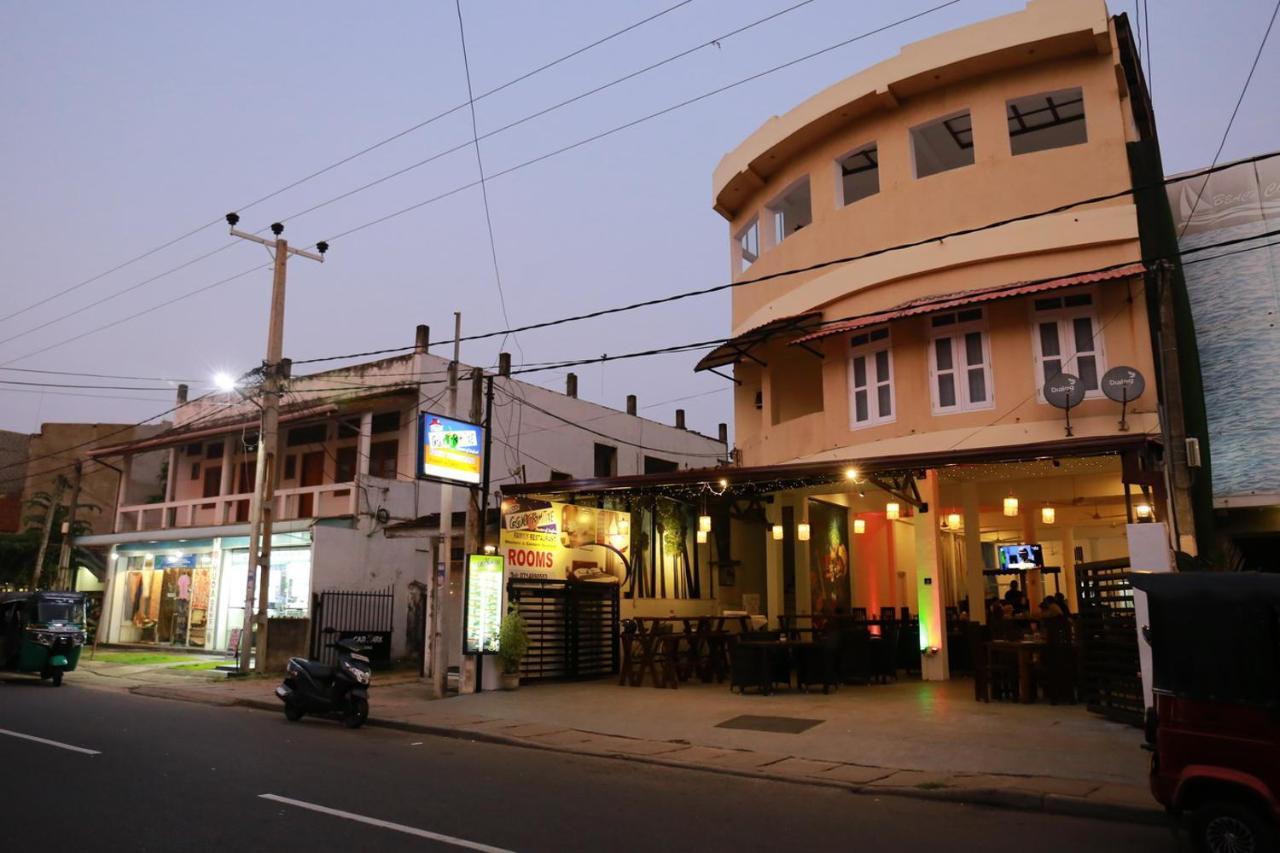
933 632
772 564
225 482
975 582
1069 568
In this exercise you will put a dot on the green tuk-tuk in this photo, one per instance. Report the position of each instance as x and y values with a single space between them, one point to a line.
41 632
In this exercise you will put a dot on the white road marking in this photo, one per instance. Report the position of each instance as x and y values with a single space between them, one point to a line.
386 824
48 742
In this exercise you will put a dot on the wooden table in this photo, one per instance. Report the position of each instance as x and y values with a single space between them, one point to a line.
1026 651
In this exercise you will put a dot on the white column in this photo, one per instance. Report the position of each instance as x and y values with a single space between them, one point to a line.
224 483
933 632
803 592
122 491
171 484
364 443
975 582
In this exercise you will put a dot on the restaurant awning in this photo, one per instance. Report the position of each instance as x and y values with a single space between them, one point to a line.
763 479
951 301
739 347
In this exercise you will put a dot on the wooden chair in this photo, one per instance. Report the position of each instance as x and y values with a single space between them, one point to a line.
859 614
884 654
889 614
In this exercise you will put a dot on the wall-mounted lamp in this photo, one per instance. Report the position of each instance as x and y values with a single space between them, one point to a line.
953 520
1145 512
851 474
892 511
777 533
802 531
859 525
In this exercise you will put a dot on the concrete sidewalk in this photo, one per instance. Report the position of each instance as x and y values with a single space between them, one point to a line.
918 739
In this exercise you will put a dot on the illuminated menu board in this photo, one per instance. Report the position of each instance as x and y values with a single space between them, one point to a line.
484 604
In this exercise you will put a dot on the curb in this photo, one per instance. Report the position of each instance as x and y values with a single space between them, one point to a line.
1001 798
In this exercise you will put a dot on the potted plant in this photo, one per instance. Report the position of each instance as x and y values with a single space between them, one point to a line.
513 644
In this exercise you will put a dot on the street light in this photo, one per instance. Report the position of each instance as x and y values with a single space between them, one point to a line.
224 382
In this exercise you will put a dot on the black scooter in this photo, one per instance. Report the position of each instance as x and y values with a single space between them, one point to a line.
311 687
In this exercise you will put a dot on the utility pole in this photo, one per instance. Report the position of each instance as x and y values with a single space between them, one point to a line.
262 505
475 520
68 529
55 501
451 617
1174 421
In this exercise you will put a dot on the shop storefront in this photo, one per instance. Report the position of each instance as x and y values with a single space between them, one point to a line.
190 593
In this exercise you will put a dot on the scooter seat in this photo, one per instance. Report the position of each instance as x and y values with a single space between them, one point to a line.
317 670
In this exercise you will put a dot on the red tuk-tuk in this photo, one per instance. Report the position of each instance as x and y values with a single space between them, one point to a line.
1214 730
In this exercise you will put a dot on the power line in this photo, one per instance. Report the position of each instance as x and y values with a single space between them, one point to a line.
716 42
530 162
90 387
96 375
344 160
634 122
484 189
1235 110
809 268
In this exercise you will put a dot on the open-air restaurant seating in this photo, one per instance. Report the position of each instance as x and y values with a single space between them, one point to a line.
1011 660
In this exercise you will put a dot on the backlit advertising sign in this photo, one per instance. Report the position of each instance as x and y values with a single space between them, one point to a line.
450 450
483 604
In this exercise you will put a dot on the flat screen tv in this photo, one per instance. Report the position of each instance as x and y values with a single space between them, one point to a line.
1021 556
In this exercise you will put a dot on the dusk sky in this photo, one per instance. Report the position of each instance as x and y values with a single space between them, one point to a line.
130 123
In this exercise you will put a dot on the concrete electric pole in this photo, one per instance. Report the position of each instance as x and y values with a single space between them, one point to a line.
68 530
262 505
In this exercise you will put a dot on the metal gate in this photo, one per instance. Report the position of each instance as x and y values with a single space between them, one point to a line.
1110 675
352 615
573 628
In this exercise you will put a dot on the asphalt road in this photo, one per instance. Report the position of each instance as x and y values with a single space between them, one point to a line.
170 775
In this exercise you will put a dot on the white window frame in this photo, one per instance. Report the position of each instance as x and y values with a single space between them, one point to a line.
868 352
739 249
1065 317
955 333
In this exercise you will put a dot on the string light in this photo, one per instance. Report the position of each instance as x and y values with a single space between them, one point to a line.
892 511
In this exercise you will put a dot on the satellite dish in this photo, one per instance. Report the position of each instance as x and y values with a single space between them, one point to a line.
1064 391
1123 384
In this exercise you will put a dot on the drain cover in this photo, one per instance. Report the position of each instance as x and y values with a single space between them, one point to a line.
777 725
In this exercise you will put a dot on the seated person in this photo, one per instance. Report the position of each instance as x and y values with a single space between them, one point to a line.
1049 609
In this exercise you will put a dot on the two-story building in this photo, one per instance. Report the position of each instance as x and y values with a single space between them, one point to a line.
349 505
919 252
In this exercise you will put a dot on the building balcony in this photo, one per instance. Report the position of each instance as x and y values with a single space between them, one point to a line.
328 500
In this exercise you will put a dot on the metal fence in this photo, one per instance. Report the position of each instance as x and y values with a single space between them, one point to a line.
364 616
1110 675
573 628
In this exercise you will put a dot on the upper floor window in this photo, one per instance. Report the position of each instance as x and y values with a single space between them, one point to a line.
942 144
1068 340
791 211
870 379
960 362
860 174
748 244
1048 120
606 460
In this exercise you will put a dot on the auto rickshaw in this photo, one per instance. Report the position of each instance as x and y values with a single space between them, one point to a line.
1214 730
41 632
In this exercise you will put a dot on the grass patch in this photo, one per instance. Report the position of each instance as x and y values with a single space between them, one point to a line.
143 658
198 667
931 786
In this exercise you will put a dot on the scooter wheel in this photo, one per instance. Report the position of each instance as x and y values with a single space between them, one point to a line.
292 713
355 715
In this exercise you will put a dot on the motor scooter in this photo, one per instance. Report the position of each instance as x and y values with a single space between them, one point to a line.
311 687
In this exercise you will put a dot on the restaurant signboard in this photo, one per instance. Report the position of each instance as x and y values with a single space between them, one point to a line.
450 450
560 541
483 618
